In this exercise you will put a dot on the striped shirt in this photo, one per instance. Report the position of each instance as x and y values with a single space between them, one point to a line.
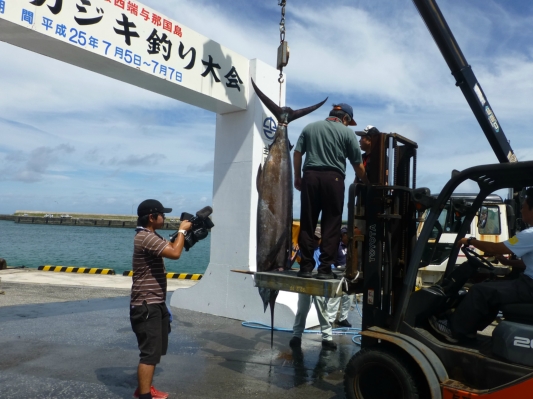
149 274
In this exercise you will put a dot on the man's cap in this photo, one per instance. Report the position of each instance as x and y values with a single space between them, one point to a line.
151 206
318 232
344 230
348 109
368 131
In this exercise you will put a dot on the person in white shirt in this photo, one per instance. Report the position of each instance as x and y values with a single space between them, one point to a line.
483 301
321 305
344 301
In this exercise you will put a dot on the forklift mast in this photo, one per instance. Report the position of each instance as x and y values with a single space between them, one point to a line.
386 213
465 79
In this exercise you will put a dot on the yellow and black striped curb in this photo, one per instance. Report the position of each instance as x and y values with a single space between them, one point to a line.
182 276
72 269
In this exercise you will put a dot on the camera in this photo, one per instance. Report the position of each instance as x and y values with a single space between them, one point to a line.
200 227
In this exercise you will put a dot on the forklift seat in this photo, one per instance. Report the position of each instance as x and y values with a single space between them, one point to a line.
510 338
518 312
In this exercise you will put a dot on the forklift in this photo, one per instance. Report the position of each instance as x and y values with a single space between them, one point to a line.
401 357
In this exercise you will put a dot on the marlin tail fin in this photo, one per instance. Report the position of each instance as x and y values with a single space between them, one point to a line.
280 111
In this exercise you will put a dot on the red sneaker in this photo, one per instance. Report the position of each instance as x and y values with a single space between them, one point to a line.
158 394
155 394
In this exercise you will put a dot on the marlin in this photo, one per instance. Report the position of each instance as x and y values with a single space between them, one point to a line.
274 207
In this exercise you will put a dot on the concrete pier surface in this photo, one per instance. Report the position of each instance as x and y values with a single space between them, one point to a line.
34 276
61 340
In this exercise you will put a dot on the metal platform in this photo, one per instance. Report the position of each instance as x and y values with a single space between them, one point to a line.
288 281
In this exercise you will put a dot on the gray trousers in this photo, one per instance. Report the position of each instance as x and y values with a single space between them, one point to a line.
304 304
345 303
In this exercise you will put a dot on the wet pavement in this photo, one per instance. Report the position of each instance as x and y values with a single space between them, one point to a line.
84 348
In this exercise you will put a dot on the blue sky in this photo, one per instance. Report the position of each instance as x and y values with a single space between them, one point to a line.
76 141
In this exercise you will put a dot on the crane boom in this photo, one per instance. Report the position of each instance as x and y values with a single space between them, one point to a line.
465 79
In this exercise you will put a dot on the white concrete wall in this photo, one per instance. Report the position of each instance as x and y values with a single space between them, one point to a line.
238 153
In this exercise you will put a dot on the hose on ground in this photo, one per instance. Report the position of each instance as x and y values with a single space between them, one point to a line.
354 331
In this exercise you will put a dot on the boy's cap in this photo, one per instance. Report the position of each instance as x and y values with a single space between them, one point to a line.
150 206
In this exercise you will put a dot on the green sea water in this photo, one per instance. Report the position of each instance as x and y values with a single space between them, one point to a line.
34 245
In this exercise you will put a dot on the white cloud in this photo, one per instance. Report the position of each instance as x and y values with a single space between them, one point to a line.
32 166
376 55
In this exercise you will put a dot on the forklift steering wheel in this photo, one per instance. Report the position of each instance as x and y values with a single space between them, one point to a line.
477 259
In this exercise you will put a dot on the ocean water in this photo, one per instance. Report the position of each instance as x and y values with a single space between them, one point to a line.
34 245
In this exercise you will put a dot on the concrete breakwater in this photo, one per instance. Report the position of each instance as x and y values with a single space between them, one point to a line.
70 221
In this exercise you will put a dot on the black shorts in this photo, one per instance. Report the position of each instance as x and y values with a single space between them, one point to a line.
151 325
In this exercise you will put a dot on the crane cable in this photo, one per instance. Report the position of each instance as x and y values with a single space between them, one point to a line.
281 3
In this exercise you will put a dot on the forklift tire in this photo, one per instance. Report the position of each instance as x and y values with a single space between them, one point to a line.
378 374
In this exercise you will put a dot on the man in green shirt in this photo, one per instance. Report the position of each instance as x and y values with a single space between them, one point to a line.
326 145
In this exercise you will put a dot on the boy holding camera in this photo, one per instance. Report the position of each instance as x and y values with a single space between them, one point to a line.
149 315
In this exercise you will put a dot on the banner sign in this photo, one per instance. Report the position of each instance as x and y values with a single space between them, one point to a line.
135 36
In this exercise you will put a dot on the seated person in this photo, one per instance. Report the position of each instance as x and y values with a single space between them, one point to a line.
482 219
481 305
488 223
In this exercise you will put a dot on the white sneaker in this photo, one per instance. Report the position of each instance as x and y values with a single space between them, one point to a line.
441 327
